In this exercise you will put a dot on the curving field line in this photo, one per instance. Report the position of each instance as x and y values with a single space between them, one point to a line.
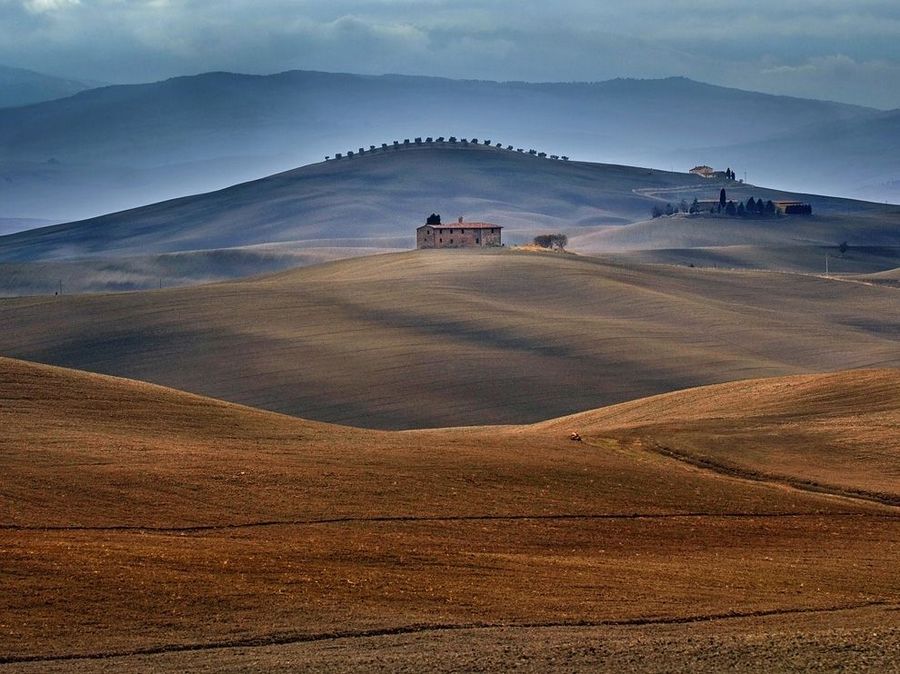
810 486
412 519
288 638
653 192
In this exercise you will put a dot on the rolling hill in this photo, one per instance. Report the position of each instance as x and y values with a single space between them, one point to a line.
324 210
114 148
145 528
20 87
862 159
447 338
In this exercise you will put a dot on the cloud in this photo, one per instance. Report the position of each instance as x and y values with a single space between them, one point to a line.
43 6
823 48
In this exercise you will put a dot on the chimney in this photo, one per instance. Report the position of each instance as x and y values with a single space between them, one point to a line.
460 219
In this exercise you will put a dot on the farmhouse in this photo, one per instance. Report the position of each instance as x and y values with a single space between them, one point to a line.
704 171
461 234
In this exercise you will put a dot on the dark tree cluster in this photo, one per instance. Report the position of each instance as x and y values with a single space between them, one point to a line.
681 207
752 208
558 241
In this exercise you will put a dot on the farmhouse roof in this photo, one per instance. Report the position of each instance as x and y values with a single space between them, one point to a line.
463 225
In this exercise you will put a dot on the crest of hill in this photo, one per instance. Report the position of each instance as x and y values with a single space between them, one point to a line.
450 338
832 427
20 87
890 275
830 432
377 196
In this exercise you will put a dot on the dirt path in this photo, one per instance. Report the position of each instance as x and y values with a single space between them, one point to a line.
286 638
413 519
730 470
654 192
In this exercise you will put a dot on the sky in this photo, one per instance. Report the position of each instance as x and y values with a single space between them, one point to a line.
846 50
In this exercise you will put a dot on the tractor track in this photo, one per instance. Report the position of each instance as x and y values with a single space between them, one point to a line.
413 519
809 486
290 638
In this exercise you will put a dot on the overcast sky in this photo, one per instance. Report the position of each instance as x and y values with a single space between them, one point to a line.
846 50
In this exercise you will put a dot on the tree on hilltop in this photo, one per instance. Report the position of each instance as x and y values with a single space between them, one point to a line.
558 241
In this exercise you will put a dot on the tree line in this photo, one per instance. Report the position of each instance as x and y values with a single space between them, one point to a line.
452 140
750 208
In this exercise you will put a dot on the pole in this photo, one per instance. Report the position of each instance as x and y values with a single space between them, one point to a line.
826 265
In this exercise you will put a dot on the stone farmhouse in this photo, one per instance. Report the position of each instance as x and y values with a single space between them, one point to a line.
460 234
703 171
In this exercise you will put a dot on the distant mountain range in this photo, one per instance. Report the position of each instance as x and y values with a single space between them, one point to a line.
116 147
24 87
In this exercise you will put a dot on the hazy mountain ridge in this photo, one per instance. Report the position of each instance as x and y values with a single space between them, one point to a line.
20 87
198 133
865 155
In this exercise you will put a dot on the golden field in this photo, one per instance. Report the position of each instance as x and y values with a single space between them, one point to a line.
450 338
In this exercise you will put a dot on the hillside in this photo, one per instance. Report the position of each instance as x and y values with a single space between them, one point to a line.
20 87
446 338
381 195
323 210
798 244
114 148
145 528
851 158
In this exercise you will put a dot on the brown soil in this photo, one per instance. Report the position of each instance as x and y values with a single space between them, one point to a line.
145 528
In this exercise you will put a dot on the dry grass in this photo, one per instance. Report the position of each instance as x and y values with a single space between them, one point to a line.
141 518
447 338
